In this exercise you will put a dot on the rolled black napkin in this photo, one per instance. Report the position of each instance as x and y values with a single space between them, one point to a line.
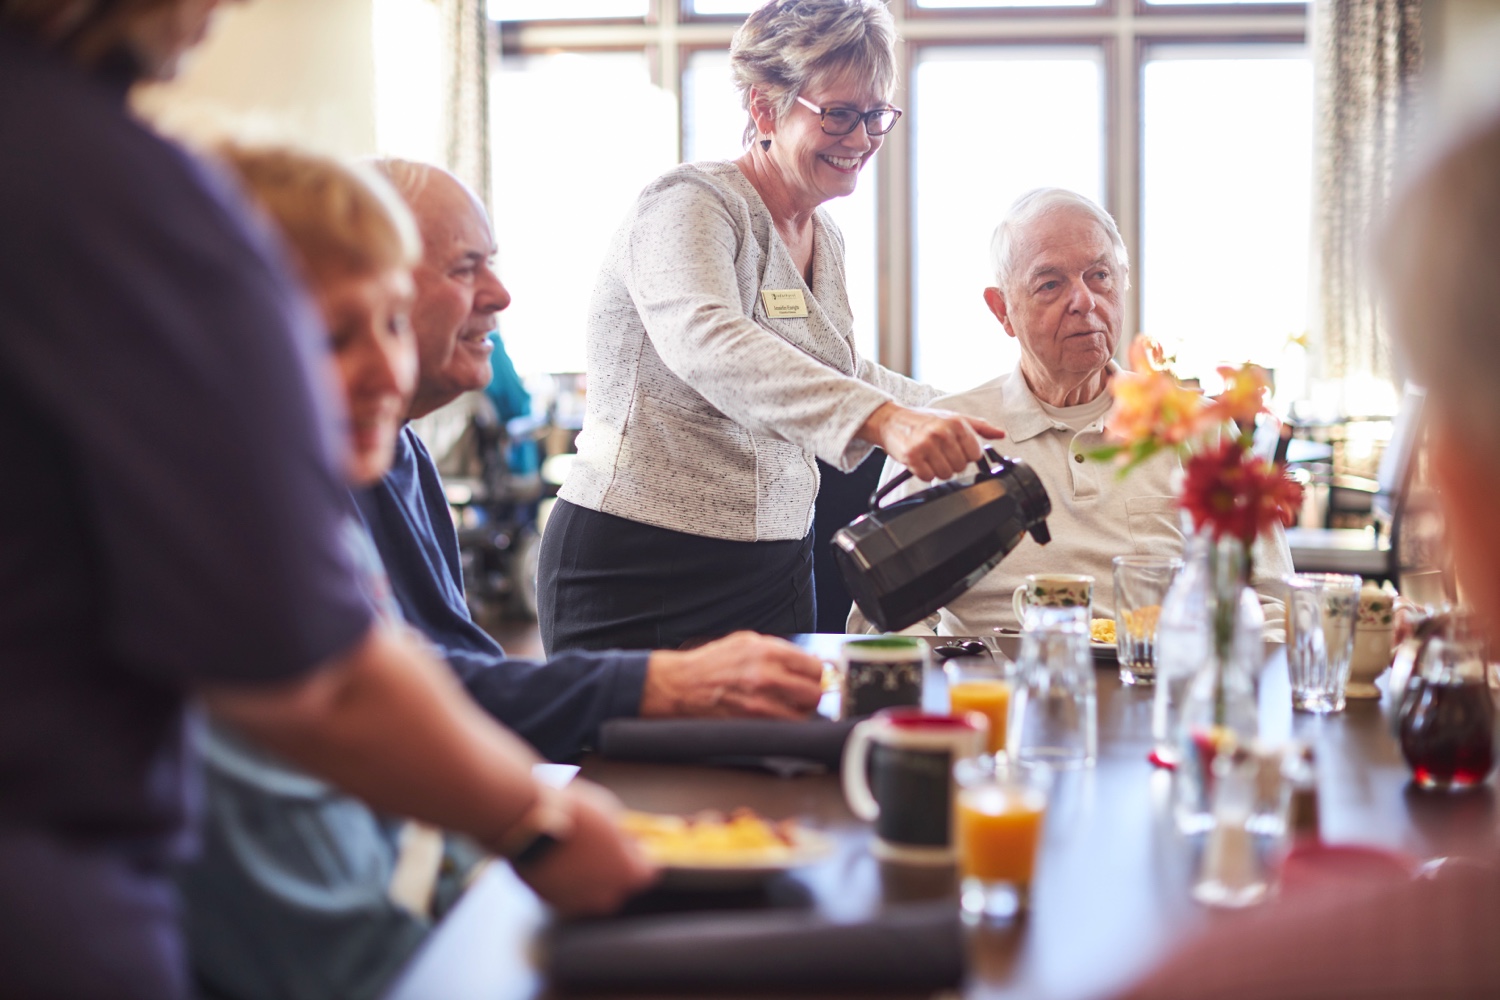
907 947
782 747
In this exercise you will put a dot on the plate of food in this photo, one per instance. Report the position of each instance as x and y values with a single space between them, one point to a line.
710 850
1102 638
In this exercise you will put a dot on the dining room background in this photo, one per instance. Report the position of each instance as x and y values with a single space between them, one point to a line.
1243 148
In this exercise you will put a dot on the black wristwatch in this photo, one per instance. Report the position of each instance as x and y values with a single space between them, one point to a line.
545 826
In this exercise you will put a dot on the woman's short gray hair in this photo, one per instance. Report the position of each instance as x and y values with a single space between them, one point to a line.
1033 205
785 44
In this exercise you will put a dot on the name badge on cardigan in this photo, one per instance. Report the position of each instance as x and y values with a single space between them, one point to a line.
784 303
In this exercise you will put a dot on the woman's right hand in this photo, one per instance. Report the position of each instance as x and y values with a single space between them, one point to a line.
933 444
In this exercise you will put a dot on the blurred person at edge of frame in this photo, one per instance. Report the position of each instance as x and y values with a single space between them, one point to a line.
721 361
174 531
557 705
1434 937
1061 272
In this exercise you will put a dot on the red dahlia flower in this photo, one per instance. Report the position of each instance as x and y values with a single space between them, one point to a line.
1235 494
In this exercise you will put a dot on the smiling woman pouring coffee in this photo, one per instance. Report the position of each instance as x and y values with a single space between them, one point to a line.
721 360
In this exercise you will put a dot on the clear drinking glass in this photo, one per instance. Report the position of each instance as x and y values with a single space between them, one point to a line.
1054 702
982 684
1000 810
1141 585
1183 645
1233 874
1320 620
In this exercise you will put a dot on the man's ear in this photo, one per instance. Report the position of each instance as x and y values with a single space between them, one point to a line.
995 299
1469 488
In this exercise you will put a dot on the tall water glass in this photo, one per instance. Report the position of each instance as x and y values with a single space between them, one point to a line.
1320 618
1141 585
1054 702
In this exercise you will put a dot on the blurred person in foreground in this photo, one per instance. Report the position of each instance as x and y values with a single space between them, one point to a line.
722 361
1434 937
1061 273
557 705
175 531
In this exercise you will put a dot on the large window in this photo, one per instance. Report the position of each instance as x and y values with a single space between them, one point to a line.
1190 122
1225 223
567 165
983 136
569 10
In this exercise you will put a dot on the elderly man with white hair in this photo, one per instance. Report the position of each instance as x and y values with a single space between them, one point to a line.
1061 271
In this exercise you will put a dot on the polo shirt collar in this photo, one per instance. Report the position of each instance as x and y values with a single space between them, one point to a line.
1021 414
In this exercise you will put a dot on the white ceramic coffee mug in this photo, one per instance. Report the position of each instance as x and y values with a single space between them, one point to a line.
1053 590
898 774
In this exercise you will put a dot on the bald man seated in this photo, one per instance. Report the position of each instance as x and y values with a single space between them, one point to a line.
557 705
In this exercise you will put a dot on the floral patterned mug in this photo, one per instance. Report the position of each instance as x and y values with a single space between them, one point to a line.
1054 590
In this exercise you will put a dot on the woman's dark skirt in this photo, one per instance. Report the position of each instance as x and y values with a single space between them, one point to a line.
608 582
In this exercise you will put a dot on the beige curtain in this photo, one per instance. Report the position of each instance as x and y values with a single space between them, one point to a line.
1367 55
466 152
466 29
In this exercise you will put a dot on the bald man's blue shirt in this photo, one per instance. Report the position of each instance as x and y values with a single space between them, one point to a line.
558 705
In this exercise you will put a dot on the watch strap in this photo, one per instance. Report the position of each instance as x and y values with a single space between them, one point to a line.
543 827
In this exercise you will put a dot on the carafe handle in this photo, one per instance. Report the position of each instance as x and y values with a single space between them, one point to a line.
995 466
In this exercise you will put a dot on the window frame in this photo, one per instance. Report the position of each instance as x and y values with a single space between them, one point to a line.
1124 30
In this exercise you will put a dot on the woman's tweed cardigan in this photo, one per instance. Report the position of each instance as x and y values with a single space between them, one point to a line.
704 415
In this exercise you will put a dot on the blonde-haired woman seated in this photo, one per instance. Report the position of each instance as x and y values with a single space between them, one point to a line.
301 890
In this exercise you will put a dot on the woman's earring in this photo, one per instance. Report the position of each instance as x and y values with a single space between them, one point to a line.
765 143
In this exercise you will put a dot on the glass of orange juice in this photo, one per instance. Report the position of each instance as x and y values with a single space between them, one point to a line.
999 810
982 684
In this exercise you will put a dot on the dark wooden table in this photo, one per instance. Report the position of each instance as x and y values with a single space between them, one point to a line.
1112 887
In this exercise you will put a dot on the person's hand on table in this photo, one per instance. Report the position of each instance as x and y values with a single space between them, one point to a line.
597 867
933 444
744 675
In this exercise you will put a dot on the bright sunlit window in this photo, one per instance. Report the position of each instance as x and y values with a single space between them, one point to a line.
1202 149
983 138
712 7
981 4
557 10
1227 182
563 184
407 37
1230 3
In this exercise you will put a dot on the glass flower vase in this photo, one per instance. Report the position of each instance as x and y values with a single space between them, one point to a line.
1219 623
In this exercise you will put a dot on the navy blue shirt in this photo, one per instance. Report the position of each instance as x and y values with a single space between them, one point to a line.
558 705
168 504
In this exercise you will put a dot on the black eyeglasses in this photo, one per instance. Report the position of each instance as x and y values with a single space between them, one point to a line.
842 121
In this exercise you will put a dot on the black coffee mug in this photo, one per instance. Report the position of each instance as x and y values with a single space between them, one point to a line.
883 672
898 774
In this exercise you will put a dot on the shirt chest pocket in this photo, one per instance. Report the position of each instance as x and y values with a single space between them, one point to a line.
1153 523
